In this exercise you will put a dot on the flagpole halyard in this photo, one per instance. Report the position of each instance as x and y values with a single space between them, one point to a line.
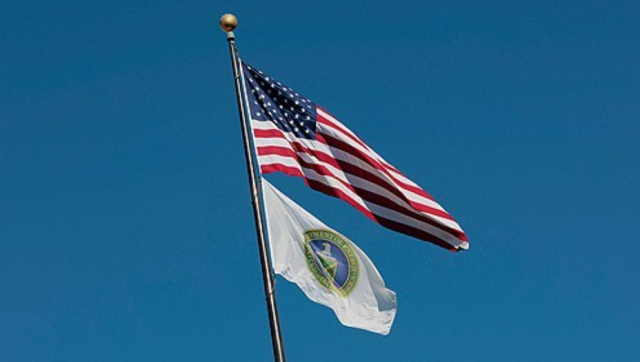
228 23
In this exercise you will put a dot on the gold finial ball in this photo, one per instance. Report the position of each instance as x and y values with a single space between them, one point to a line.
228 22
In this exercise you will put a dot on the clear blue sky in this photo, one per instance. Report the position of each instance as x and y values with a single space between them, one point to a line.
126 231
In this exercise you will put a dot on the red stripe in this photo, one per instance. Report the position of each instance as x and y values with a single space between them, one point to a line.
366 195
353 137
390 183
349 168
343 129
332 141
357 171
327 190
260 133
268 133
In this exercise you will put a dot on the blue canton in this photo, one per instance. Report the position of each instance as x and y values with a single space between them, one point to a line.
272 101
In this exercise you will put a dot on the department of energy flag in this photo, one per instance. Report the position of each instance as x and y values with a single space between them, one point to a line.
329 268
294 136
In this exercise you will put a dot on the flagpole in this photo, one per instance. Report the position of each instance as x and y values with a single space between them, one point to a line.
228 23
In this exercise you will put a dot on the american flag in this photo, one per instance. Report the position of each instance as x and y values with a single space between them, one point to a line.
295 136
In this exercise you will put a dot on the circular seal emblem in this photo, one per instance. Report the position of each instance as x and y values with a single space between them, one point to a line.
331 260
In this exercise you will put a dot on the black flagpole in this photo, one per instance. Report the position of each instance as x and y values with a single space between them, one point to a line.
228 23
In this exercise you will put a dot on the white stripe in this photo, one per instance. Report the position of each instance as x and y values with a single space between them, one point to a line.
344 130
375 209
337 133
348 158
264 125
345 157
358 182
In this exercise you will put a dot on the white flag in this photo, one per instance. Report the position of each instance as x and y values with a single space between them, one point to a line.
329 268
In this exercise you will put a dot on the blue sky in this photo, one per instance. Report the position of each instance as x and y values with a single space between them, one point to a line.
126 231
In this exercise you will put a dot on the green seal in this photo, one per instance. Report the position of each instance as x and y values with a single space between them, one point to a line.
332 260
